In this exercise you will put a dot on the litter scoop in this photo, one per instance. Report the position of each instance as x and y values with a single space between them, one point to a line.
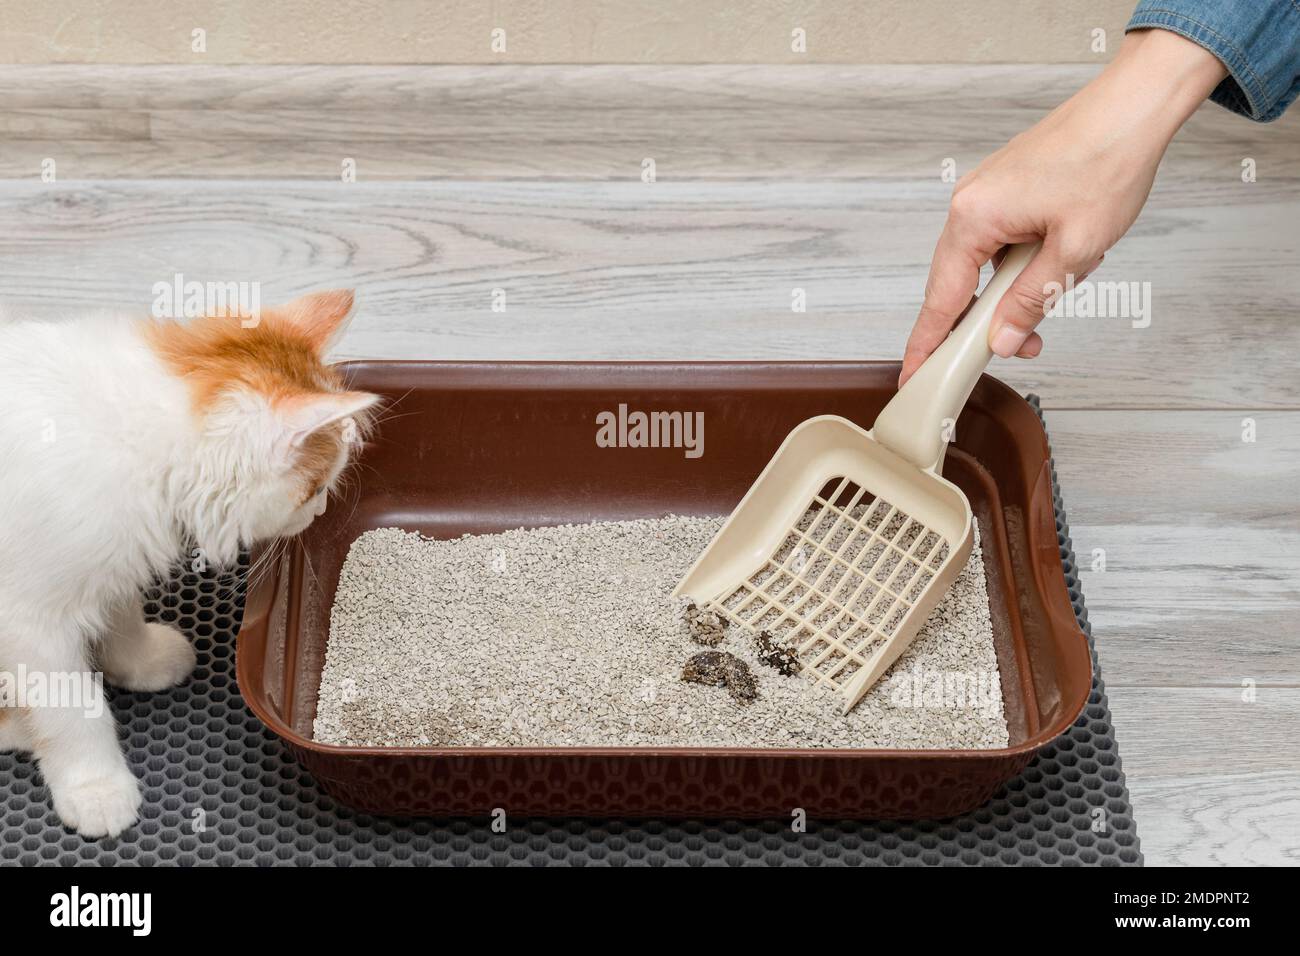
847 541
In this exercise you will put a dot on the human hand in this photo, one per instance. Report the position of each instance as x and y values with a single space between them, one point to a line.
1076 180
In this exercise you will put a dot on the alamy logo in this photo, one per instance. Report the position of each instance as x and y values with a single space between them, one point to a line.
924 689
74 908
76 690
1099 300
624 429
179 299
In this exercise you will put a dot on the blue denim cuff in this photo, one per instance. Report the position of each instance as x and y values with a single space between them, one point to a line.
1257 40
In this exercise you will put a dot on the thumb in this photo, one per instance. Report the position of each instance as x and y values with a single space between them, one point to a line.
1032 295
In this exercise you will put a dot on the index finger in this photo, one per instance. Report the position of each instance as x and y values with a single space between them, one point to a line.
954 278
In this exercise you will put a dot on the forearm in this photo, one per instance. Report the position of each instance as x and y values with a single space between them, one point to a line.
1156 81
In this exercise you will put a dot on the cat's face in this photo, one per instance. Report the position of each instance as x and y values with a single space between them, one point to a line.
289 496
277 424
324 456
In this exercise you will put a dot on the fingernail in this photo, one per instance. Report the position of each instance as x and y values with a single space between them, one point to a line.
1007 341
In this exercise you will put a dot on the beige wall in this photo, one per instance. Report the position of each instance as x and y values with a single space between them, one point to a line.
558 31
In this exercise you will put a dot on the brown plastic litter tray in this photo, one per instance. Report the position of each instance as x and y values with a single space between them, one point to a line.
486 447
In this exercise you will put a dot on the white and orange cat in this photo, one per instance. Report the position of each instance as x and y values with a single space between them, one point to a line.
122 444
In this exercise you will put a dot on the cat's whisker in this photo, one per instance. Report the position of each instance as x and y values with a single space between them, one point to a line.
268 558
367 465
383 419
388 407
306 560
265 561
356 500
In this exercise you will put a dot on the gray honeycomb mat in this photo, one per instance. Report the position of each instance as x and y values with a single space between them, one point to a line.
219 788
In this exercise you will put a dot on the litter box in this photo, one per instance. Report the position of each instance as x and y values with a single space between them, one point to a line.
470 447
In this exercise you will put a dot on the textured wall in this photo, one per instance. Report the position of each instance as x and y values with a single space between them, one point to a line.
558 31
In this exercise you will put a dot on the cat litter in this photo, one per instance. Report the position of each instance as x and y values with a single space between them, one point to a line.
570 636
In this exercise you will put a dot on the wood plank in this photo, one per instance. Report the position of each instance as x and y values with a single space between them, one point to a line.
670 270
1200 537
653 123
1207 473
1198 731
74 124
1193 168
522 158
1204 603
971 95
649 125
581 122
1226 819
383 88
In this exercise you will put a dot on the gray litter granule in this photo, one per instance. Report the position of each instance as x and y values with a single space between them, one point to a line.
570 636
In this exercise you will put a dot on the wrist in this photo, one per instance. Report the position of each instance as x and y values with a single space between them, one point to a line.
1167 73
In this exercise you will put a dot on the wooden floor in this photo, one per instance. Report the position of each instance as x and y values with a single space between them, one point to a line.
768 179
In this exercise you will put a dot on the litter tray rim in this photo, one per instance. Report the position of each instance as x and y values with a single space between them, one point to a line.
263 592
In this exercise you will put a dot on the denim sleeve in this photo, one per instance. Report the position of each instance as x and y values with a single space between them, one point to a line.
1257 40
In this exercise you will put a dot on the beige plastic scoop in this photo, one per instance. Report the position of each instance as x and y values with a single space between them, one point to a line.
848 539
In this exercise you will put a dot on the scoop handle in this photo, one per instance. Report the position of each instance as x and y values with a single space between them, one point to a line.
916 423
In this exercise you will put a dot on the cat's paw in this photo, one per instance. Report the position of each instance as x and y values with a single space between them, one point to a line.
163 659
101 806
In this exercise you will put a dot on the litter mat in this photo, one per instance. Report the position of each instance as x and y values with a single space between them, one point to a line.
220 789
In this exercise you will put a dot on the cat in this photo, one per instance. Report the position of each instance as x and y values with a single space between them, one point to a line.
123 444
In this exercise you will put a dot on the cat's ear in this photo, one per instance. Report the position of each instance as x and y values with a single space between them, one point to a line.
304 414
321 316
